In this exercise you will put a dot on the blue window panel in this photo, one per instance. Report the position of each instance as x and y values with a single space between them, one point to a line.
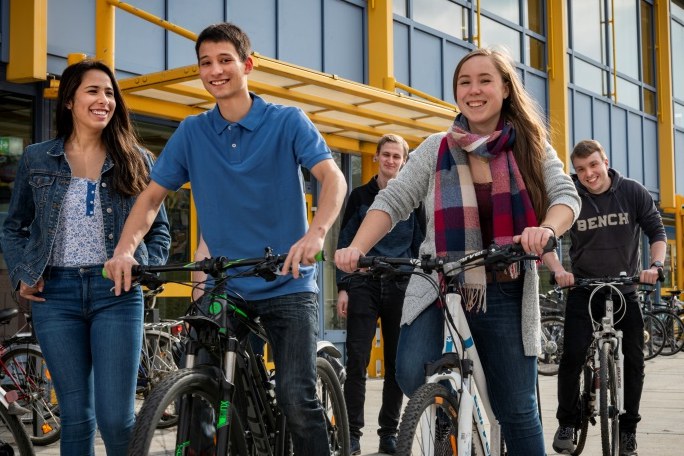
453 53
601 122
619 140
300 32
426 63
70 31
258 19
139 43
636 148
582 117
651 158
343 40
181 50
402 53
536 87
571 126
679 161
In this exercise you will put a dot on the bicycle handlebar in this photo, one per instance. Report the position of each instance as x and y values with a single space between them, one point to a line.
496 255
599 281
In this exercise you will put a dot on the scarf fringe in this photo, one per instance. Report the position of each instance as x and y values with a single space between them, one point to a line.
474 296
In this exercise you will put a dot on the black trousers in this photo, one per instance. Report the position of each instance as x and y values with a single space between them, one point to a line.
578 337
369 299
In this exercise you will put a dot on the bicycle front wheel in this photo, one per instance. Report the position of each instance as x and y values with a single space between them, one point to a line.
654 336
552 334
608 399
13 437
586 407
26 373
429 425
196 393
331 398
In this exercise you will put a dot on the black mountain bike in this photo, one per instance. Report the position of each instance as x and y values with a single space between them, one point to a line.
228 406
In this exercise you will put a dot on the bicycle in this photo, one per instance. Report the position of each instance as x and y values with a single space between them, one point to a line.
230 407
14 440
437 418
655 333
602 375
23 372
674 327
552 307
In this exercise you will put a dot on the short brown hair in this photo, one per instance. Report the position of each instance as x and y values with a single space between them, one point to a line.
390 138
587 147
225 31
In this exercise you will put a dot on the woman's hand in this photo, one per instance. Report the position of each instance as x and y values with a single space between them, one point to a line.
29 293
347 259
534 239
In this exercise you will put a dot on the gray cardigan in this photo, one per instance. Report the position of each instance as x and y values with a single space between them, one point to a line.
416 183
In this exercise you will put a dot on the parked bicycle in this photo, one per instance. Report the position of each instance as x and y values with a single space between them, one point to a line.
602 376
666 312
14 439
441 419
229 406
552 308
655 334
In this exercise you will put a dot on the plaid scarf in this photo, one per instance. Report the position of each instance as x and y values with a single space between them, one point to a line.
457 221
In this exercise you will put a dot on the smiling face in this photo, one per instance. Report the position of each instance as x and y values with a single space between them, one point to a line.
592 172
480 92
390 159
222 72
93 103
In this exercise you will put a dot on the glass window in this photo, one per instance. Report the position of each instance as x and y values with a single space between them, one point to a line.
588 36
647 45
628 93
679 115
535 53
510 9
16 132
589 77
331 320
677 9
677 63
399 7
443 15
535 16
501 37
626 38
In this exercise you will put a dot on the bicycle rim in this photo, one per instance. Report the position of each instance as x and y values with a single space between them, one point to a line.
552 335
654 336
330 395
27 374
429 425
196 392
608 397
586 383
13 436
156 362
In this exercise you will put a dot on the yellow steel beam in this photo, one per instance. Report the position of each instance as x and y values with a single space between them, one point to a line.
665 111
679 227
27 41
160 108
558 80
105 32
380 44
368 167
156 20
342 143
160 79
349 126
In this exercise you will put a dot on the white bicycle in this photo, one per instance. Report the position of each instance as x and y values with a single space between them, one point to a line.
453 419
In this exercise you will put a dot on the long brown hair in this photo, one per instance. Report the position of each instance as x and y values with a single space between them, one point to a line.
530 130
130 173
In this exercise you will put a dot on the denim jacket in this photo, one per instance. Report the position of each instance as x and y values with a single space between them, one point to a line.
42 180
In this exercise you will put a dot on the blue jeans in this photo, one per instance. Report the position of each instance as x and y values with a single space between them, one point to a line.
511 376
91 341
291 323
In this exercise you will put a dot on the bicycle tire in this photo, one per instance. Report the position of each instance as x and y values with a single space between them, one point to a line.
552 337
608 408
654 336
26 372
329 392
197 390
156 361
435 435
674 332
586 385
14 439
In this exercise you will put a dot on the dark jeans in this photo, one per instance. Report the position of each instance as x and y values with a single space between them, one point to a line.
511 376
578 337
369 299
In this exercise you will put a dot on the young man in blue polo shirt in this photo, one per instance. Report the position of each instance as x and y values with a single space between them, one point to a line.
243 160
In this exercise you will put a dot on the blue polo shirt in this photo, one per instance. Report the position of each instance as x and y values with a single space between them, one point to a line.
247 184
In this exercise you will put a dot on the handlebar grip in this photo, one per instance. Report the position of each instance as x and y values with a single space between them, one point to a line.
320 256
365 262
661 275
136 270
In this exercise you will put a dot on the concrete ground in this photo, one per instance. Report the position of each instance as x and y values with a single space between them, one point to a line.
660 433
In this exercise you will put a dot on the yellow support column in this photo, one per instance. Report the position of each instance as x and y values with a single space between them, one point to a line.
105 32
27 41
679 253
380 44
665 114
558 79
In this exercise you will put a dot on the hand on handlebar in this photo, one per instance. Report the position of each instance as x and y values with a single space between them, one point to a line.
304 251
563 278
119 270
347 259
534 239
651 275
